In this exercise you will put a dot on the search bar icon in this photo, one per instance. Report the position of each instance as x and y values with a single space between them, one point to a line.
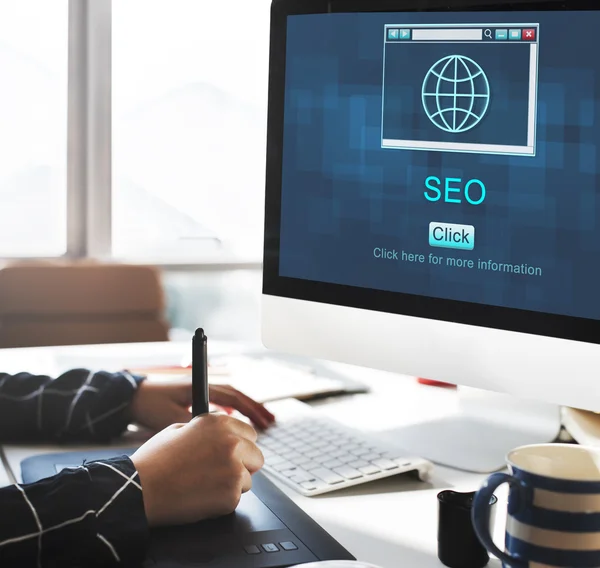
488 34
448 34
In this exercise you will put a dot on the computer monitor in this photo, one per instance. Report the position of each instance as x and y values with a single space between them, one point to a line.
433 201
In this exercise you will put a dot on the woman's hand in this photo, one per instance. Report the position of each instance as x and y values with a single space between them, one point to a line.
195 471
158 404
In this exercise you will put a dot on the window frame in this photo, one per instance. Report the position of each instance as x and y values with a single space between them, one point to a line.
89 149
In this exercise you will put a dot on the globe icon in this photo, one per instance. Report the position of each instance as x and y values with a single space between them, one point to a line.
456 94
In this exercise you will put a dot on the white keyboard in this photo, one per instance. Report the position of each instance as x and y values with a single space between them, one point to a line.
315 455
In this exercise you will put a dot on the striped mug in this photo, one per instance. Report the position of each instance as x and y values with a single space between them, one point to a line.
553 507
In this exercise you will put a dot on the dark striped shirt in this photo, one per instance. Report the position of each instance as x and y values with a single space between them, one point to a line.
90 516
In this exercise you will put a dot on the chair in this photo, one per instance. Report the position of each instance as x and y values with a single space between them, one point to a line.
67 303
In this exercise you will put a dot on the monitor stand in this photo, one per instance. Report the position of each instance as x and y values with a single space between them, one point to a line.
486 428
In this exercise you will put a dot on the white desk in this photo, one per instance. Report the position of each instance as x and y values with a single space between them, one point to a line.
391 523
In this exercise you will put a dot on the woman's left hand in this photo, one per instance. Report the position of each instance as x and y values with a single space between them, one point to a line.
158 404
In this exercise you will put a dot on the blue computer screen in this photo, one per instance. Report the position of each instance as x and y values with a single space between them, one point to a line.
449 155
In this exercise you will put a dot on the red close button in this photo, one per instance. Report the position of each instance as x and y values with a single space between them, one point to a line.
529 35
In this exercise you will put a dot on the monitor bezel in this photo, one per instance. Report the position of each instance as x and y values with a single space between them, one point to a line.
473 314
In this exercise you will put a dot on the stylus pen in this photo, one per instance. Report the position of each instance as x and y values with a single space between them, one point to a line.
199 374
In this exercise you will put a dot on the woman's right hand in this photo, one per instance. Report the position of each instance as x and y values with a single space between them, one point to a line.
199 470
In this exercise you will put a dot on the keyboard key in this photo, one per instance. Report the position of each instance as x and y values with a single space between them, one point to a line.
283 466
356 450
332 463
270 548
274 460
327 476
309 485
396 457
301 477
322 457
289 472
338 453
313 454
358 463
301 460
385 464
391 455
295 452
252 549
288 545
311 465
369 470
289 455
348 458
348 472
369 457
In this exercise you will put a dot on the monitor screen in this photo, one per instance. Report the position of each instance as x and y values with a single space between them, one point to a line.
445 155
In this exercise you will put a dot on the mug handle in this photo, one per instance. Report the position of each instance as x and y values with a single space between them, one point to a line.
481 514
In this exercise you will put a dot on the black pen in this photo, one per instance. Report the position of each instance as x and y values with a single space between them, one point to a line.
199 374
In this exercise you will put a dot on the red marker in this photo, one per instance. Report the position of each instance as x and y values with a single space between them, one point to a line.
431 383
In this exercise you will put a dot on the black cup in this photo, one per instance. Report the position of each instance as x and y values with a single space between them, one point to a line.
458 545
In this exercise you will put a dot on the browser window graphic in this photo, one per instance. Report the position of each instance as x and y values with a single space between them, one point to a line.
461 88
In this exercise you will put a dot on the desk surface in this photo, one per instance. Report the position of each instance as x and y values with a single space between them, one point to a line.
390 523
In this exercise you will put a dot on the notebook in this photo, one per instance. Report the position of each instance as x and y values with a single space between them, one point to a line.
268 378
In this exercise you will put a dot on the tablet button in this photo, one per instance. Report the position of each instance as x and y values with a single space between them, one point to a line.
252 549
270 548
288 546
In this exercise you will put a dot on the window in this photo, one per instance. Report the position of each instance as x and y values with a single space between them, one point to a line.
456 91
133 129
33 137
189 102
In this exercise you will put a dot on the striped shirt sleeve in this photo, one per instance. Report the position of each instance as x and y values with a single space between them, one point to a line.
89 516
80 405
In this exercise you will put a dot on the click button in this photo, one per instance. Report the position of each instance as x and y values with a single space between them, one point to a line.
446 235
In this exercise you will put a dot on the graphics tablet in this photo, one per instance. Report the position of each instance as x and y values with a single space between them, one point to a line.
267 530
